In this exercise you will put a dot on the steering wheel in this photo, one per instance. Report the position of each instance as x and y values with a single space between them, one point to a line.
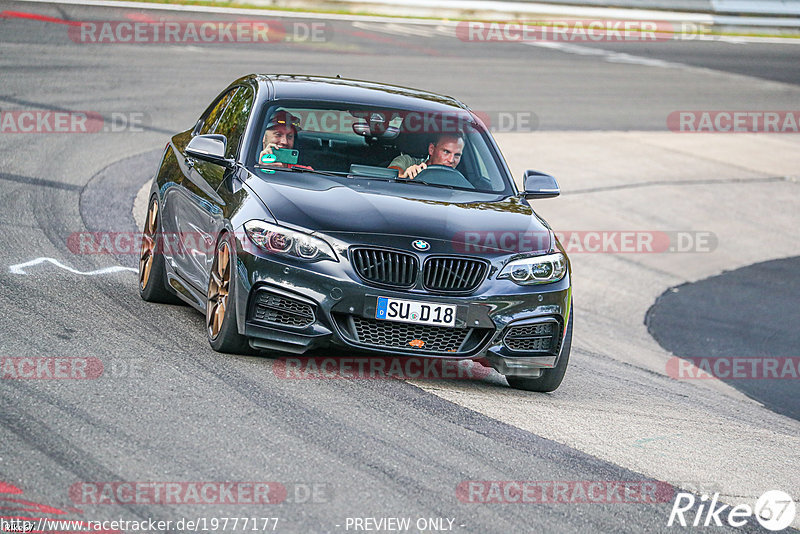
443 175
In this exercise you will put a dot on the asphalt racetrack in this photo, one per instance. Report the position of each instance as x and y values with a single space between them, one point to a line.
723 309
342 455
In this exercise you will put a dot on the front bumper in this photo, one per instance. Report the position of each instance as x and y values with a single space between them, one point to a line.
340 303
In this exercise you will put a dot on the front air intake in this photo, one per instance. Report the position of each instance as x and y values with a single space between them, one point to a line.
273 308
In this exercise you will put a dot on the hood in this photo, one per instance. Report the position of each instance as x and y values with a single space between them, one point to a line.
322 204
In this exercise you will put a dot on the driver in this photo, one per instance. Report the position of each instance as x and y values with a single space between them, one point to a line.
445 150
281 130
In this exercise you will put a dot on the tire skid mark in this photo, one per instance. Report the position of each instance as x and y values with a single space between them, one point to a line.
60 449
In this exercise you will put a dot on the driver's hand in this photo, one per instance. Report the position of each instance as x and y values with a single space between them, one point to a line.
267 150
413 171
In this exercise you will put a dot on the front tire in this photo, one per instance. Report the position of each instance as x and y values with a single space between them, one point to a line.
152 271
221 328
550 379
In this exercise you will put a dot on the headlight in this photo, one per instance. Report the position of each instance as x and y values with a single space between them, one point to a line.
536 269
298 245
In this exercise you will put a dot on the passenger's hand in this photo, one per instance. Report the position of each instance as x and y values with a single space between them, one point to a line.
411 172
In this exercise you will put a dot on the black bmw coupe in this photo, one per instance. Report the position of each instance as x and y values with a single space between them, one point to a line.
288 216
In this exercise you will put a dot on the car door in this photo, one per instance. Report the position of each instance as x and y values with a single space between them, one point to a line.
191 206
203 214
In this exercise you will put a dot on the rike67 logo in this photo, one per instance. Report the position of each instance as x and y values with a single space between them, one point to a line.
774 510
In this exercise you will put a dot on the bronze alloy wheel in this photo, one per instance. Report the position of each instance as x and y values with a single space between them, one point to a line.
148 245
218 288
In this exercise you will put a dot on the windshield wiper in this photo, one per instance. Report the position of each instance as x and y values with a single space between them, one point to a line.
370 178
432 185
301 169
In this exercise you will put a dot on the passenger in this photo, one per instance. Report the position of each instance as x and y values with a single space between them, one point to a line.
446 150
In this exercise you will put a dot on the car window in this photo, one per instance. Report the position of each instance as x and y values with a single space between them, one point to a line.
333 137
479 161
210 120
234 119
485 163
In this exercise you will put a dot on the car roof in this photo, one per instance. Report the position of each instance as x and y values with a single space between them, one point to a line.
303 87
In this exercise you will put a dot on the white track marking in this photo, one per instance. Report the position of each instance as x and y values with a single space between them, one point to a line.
395 29
606 55
20 267
448 31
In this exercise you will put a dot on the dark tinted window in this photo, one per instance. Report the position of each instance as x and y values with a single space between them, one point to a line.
216 111
234 119
333 136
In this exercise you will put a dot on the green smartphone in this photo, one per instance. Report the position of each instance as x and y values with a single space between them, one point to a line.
281 155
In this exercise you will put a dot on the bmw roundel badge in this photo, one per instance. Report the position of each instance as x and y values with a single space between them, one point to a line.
419 244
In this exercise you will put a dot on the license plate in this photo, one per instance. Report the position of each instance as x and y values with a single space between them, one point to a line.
414 311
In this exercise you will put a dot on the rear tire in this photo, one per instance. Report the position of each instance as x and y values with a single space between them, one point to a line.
153 285
221 328
550 379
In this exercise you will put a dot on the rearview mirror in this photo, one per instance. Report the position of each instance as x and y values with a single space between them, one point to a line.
209 147
540 185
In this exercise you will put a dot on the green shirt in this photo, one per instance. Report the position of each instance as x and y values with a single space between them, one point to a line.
404 161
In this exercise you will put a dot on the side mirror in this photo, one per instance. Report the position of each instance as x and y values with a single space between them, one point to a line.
540 185
209 147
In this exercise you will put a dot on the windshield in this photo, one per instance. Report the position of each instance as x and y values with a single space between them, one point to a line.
379 143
